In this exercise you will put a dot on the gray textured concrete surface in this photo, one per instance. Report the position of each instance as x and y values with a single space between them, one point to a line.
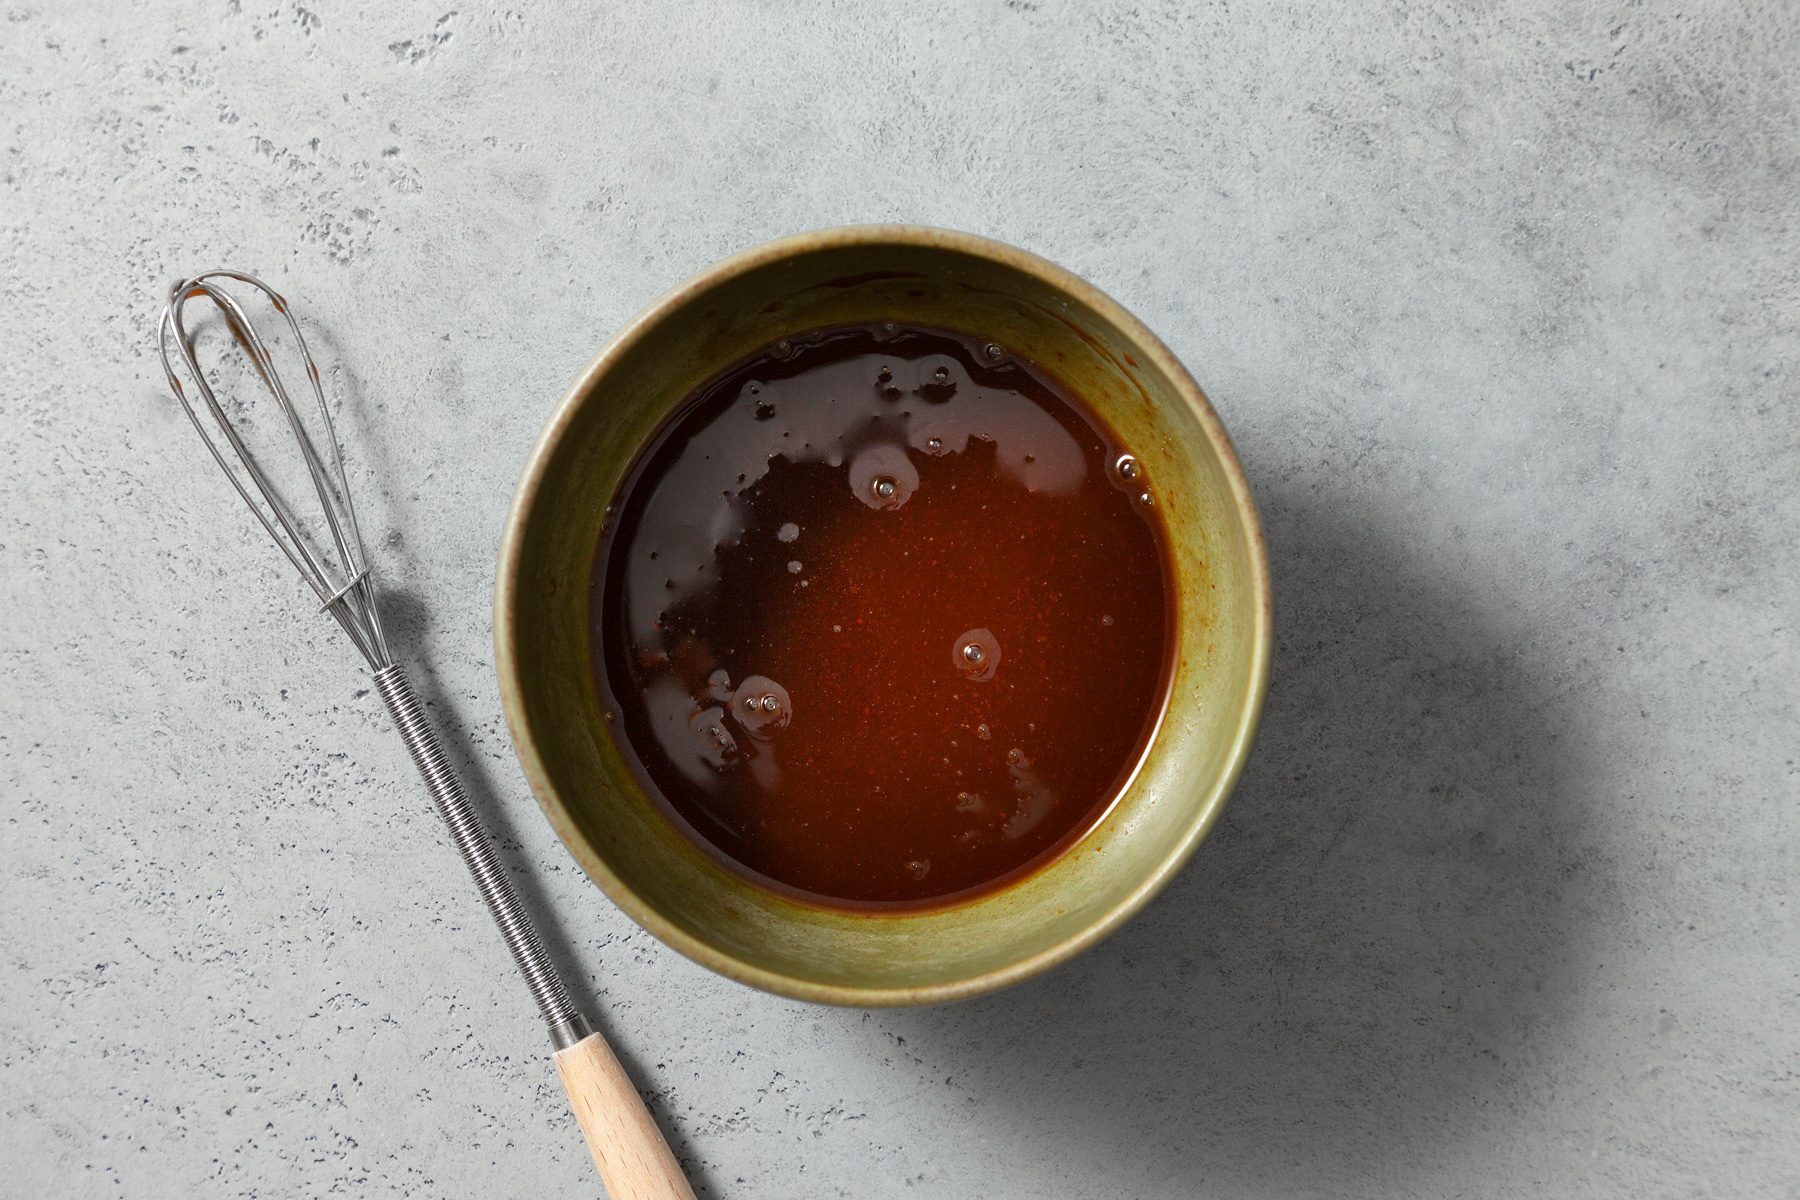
1499 302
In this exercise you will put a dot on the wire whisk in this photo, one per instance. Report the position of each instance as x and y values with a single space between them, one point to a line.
352 602
634 1160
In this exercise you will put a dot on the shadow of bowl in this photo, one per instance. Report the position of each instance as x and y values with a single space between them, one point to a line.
1395 917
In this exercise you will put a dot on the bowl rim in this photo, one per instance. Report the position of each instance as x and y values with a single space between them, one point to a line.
506 613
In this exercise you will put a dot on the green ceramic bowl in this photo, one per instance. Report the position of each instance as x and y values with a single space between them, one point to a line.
928 277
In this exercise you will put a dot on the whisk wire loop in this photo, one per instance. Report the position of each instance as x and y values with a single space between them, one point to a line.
350 596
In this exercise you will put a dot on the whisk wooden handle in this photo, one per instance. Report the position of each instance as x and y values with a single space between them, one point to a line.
634 1160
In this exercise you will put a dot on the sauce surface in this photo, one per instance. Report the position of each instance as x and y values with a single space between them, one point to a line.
883 618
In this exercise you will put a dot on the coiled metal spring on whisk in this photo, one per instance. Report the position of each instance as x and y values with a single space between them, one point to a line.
346 589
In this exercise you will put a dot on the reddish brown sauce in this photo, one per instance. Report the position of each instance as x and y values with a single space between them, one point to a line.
883 617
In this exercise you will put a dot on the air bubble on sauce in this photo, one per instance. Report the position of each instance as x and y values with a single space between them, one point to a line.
761 706
977 655
936 382
882 476
789 532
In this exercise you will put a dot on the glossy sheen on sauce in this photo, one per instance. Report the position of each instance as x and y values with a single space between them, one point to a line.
883 618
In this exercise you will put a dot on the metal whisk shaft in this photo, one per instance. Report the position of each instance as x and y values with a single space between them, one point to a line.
346 590
567 1025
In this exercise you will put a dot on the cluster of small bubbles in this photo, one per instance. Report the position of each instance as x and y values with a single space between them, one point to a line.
793 566
882 476
788 532
763 705
716 744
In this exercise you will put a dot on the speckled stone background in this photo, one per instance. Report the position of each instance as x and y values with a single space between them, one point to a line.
1500 303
